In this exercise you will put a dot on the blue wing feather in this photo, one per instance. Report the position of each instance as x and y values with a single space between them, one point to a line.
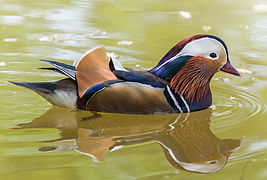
143 77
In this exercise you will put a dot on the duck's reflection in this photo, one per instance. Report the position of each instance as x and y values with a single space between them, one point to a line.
186 139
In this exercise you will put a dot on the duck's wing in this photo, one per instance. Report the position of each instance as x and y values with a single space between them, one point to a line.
131 91
125 97
135 75
134 91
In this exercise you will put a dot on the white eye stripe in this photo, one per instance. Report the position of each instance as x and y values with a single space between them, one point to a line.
203 47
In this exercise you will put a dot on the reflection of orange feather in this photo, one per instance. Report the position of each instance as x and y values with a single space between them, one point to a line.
96 147
93 69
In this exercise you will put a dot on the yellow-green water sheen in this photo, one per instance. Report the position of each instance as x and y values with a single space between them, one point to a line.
39 141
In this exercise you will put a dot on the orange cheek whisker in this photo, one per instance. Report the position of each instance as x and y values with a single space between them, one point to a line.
192 81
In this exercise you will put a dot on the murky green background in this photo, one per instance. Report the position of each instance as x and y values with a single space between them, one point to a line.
139 33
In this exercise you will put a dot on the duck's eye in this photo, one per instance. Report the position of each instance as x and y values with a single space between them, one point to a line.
213 55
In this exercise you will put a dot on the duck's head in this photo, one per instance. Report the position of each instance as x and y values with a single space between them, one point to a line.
191 63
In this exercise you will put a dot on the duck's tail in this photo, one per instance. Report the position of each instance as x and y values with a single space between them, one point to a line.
91 69
62 93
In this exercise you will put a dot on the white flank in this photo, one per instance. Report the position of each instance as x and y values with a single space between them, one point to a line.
66 99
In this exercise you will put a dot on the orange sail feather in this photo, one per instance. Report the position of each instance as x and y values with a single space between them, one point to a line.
92 69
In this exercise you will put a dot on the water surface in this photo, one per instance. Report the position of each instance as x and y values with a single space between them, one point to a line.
37 140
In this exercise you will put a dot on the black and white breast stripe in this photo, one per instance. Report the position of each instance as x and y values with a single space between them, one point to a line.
177 102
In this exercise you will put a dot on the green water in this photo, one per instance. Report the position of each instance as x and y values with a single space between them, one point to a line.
38 141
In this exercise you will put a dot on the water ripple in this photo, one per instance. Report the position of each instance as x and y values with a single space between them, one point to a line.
235 105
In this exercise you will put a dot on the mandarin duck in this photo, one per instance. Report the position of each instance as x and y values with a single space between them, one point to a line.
179 83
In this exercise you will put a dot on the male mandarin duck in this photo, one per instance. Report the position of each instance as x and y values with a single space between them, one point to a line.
178 83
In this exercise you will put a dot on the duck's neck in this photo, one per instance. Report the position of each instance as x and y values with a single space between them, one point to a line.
192 82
